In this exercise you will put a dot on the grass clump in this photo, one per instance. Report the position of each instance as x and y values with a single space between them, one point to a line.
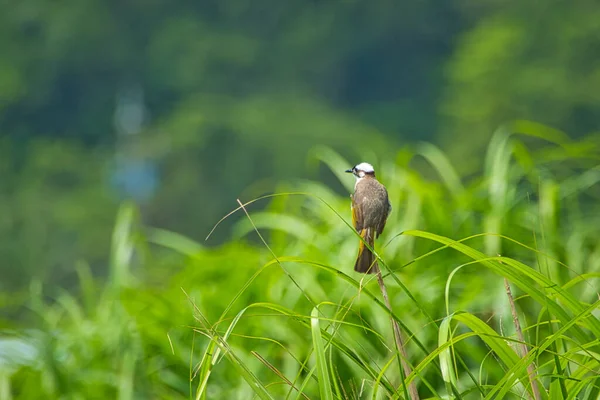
285 317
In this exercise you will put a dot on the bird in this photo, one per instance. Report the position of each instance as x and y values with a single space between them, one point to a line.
370 209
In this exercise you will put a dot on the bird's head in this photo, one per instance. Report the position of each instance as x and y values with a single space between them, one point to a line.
361 170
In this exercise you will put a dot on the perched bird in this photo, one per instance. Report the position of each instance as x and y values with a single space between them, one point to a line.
370 209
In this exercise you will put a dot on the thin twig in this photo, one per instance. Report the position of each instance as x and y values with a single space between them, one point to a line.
522 346
412 387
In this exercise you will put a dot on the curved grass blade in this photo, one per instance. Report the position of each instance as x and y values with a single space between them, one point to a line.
443 167
446 364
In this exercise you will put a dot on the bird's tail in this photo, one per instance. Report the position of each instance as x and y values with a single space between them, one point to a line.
366 262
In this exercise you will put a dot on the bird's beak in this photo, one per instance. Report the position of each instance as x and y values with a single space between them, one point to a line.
349 170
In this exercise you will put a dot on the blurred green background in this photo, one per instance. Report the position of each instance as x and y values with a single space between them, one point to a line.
128 129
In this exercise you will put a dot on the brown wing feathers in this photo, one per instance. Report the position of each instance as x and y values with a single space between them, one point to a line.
357 215
365 259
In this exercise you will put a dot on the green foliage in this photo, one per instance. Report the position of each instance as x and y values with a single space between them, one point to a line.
240 91
285 317
50 195
521 61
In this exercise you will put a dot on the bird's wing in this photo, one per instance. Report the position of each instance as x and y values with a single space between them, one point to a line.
384 218
357 215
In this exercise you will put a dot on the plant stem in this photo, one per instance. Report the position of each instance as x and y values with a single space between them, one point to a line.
522 347
412 387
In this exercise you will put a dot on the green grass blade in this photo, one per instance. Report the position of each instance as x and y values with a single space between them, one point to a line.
442 166
446 364
205 370
496 342
255 384
321 360
334 376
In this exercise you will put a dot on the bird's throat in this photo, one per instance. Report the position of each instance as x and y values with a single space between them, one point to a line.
358 181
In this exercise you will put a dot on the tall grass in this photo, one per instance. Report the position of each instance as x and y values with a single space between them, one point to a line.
285 317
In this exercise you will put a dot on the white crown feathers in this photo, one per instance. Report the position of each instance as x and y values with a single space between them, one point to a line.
366 167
